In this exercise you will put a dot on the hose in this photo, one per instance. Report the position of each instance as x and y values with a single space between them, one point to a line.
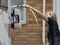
32 13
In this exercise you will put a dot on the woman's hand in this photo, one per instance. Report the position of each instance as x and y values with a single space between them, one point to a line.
47 43
26 6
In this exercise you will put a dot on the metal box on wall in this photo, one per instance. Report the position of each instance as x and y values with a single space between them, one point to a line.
22 10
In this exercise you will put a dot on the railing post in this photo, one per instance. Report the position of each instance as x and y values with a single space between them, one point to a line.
43 28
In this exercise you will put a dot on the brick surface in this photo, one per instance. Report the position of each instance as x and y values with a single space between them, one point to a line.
30 33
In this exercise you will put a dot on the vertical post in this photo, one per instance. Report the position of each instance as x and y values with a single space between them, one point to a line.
43 28
9 6
9 11
24 13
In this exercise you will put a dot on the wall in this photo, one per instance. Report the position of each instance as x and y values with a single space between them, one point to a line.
30 33
56 8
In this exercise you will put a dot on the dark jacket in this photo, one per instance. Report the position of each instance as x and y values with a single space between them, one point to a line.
53 31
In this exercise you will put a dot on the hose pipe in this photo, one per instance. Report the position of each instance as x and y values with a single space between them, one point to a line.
34 15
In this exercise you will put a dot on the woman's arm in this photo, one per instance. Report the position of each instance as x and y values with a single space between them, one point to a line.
39 14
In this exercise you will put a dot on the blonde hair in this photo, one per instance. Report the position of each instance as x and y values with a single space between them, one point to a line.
53 15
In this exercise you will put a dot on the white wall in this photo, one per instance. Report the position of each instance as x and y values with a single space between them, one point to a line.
4 2
56 8
4 37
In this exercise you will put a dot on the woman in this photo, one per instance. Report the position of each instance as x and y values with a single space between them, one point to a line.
53 30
